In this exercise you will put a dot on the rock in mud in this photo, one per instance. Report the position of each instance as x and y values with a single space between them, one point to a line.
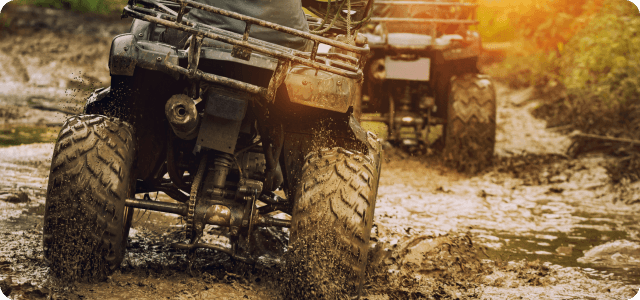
616 253
19 197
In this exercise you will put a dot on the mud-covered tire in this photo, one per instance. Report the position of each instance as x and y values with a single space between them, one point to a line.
90 178
471 123
331 223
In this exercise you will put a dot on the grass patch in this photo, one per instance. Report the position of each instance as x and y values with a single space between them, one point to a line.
20 135
104 7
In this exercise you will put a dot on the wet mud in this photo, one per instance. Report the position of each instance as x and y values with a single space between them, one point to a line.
537 225
50 60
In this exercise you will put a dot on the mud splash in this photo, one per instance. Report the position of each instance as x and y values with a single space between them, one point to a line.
426 267
552 213
539 225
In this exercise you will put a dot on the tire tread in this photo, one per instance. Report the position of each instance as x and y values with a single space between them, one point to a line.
88 182
336 198
471 123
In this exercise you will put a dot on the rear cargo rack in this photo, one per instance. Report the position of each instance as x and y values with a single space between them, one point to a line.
349 66
471 7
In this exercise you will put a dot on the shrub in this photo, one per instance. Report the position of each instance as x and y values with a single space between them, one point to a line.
602 63
592 82
521 71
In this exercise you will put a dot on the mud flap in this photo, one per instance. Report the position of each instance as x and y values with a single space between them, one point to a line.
351 137
371 140
122 57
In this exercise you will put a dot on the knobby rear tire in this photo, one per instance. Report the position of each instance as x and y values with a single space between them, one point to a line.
331 223
85 227
471 123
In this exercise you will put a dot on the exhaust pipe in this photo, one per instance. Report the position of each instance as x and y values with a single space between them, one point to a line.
183 116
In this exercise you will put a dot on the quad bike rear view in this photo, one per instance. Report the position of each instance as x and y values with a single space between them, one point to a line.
220 121
423 72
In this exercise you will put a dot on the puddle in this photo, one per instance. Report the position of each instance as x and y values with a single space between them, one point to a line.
559 248
514 221
554 211
25 221
557 216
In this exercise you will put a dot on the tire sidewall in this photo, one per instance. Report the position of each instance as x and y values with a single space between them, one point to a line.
64 205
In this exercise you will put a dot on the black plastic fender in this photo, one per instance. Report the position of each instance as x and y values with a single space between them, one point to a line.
122 57
345 132
140 29
123 53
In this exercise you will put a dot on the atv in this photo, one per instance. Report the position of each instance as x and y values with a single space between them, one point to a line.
423 73
235 129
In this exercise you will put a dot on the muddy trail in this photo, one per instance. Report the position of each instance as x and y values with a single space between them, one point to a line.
538 225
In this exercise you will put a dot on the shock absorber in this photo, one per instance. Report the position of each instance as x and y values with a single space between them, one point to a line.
221 164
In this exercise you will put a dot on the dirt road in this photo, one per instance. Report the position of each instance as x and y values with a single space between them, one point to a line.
537 226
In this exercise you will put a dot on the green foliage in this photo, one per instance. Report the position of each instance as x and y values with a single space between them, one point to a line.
19 135
603 61
494 24
591 82
95 6
521 71
601 73
550 23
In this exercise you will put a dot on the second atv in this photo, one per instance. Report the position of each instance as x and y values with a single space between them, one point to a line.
423 72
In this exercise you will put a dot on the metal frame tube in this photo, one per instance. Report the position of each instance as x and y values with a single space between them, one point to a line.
250 45
215 213
274 53
274 26
173 208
